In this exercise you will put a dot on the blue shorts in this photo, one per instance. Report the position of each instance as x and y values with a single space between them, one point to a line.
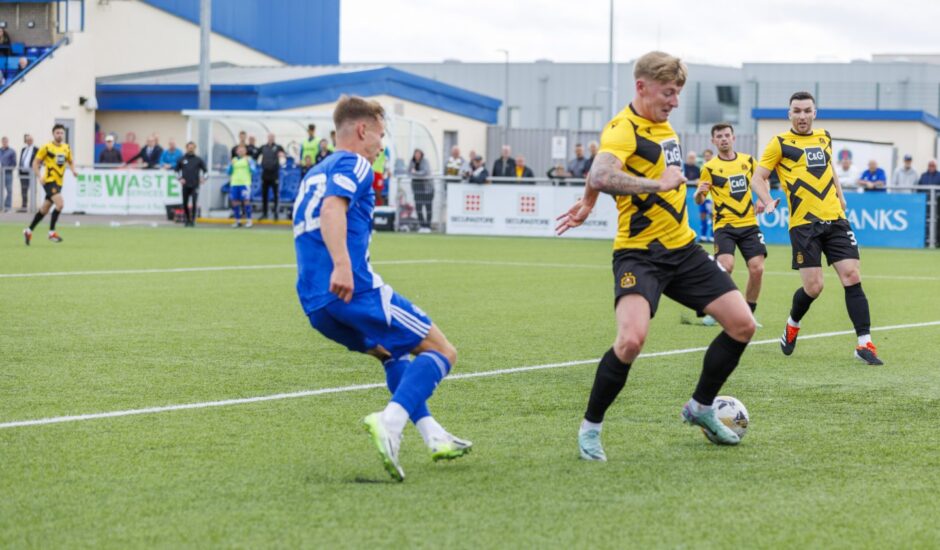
379 317
705 207
239 192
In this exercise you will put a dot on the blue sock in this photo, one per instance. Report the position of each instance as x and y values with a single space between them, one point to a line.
704 228
419 380
394 369
248 211
237 212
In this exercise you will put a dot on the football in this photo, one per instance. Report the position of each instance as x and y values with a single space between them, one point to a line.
732 413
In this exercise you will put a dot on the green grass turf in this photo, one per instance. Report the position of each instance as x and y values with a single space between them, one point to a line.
839 454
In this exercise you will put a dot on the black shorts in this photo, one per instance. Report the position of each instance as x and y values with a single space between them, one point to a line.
749 239
809 241
688 275
52 189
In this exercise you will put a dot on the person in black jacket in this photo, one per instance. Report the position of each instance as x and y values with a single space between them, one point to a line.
150 154
109 155
505 167
478 173
271 154
191 171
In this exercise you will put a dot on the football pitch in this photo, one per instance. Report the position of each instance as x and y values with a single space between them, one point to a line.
216 417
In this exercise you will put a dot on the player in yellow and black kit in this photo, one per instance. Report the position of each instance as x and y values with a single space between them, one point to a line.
802 158
54 157
640 164
728 178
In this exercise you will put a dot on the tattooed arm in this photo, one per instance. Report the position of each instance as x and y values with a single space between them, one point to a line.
607 176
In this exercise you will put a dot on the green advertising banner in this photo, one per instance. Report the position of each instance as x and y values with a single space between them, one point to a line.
120 191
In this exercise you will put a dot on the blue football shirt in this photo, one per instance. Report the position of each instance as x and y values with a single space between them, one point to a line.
342 174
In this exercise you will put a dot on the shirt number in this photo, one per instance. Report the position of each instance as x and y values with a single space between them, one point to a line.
307 222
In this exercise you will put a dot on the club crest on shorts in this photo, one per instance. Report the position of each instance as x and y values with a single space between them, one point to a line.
799 258
627 280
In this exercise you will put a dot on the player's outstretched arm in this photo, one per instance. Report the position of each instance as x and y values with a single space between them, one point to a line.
579 211
761 186
333 228
701 192
607 176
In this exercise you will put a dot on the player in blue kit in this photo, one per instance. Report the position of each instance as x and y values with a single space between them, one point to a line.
348 302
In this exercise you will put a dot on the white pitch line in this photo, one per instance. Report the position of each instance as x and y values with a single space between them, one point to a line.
392 262
362 387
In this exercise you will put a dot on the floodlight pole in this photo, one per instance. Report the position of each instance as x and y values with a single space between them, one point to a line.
205 30
612 87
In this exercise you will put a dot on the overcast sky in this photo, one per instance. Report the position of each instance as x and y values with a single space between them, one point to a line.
727 32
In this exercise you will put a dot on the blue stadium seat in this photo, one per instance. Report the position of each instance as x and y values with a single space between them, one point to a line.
17 48
290 183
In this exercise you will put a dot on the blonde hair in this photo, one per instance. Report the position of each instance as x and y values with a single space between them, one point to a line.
661 67
353 108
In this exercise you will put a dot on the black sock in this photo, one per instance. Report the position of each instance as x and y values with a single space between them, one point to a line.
721 358
857 304
36 220
753 306
801 303
608 381
54 218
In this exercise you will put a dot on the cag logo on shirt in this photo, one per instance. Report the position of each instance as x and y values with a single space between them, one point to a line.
815 157
737 186
672 153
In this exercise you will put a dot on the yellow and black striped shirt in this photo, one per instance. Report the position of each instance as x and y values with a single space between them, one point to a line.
54 157
646 148
731 190
804 166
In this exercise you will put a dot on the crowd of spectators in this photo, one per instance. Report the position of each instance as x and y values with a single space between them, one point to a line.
15 57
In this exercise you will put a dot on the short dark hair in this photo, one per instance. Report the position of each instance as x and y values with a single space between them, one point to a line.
311 127
188 143
353 108
721 126
799 96
58 127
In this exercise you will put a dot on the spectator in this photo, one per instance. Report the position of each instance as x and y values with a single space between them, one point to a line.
27 154
23 63
7 165
467 169
558 172
847 174
478 173
305 166
171 156
242 141
505 167
4 39
523 171
322 152
423 189
272 156
150 154
905 176
310 146
253 150
380 176
191 171
109 155
873 179
455 163
691 169
592 149
576 166
707 155
931 176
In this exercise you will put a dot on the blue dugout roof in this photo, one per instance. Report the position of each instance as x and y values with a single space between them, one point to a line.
267 90
856 114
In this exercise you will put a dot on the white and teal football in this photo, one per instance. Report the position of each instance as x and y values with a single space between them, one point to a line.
731 413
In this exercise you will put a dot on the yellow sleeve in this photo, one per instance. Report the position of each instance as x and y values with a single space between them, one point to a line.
750 167
68 155
772 154
706 175
619 140
42 153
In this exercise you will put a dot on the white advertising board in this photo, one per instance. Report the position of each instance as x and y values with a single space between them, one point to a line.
120 191
523 210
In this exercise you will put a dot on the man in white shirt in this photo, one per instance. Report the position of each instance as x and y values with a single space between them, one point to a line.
905 176
455 164
847 173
